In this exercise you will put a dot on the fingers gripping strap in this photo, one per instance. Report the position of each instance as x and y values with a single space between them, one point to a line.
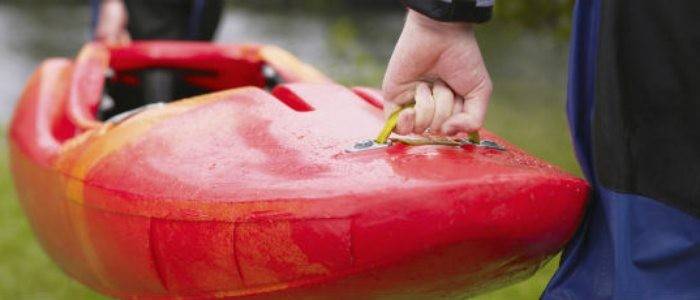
393 120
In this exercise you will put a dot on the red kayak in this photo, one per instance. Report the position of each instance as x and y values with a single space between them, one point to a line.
266 193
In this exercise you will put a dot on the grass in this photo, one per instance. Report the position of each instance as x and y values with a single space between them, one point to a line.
25 270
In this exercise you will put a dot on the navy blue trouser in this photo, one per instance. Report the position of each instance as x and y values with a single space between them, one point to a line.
640 239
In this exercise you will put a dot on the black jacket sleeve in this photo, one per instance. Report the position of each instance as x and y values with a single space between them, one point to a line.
472 11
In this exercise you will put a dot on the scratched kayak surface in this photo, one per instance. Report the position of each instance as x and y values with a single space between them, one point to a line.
249 191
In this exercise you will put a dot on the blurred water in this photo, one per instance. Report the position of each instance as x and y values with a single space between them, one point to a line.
352 46
30 34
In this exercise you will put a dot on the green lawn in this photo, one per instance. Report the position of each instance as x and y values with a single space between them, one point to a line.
25 271
536 125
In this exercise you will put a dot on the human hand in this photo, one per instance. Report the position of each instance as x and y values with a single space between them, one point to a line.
111 23
439 65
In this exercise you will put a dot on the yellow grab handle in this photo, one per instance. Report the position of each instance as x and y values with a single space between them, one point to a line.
393 119
391 124
475 138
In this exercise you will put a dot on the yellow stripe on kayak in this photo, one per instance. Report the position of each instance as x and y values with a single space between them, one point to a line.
287 64
109 139
77 216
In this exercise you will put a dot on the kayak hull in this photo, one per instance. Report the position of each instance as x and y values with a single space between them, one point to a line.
248 193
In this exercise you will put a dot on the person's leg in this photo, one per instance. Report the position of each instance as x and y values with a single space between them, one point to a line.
205 17
158 20
633 106
174 19
632 247
164 20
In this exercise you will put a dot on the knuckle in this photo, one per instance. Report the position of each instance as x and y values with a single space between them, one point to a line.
488 85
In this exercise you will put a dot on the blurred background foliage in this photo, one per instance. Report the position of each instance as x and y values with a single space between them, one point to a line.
550 15
530 13
553 14
534 14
